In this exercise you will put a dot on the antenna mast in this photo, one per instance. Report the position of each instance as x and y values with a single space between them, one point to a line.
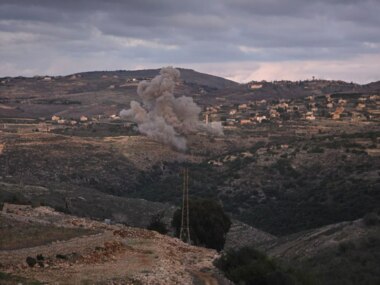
184 233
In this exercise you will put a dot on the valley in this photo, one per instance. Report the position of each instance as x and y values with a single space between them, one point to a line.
297 170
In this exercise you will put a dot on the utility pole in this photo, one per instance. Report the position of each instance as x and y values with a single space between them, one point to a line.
184 233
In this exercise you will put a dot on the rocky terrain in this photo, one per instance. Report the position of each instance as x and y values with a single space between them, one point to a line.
107 254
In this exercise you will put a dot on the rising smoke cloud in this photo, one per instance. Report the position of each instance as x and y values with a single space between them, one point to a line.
162 116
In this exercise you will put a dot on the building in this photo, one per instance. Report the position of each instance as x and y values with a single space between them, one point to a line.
245 122
360 106
310 116
242 106
255 86
83 118
260 118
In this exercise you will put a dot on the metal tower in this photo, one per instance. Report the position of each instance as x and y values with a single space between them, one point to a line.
184 233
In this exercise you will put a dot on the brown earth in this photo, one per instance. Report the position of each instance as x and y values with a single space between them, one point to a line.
115 255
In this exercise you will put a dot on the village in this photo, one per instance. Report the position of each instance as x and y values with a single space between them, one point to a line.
337 107
344 107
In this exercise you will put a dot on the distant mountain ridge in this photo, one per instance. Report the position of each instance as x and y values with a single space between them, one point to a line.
107 92
187 75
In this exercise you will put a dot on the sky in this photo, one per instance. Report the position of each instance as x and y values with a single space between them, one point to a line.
242 40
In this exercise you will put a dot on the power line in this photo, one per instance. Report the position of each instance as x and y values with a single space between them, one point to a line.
184 233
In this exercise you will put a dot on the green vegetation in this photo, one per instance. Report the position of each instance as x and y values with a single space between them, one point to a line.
157 225
287 195
353 262
208 223
249 266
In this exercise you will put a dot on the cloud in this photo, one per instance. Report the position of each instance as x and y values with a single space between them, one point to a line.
37 35
361 69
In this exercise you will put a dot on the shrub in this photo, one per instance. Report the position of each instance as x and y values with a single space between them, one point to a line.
31 261
371 219
157 225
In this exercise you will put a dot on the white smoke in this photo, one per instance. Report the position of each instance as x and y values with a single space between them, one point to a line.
162 116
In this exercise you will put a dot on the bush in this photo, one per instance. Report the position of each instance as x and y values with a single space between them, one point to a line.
31 261
371 219
208 223
157 225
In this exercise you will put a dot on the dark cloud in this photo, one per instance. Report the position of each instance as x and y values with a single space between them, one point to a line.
36 35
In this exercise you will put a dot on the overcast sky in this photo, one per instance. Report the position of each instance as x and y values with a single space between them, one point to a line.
239 39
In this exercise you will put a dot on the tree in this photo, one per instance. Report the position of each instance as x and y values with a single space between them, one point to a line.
208 223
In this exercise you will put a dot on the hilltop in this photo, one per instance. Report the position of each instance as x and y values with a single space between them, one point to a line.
90 93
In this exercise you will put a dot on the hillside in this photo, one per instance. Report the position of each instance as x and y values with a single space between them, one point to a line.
285 170
90 93
342 253
107 92
98 253
286 90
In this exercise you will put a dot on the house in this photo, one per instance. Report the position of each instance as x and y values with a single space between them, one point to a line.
55 118
215 163
255 86
245 122
83 118
242 106
232 112
337 113
342 102
360 106
274 114
260 118
262 102
230 121
335 116
310 116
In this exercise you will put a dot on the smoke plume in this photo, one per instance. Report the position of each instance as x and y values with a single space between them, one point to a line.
163 117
